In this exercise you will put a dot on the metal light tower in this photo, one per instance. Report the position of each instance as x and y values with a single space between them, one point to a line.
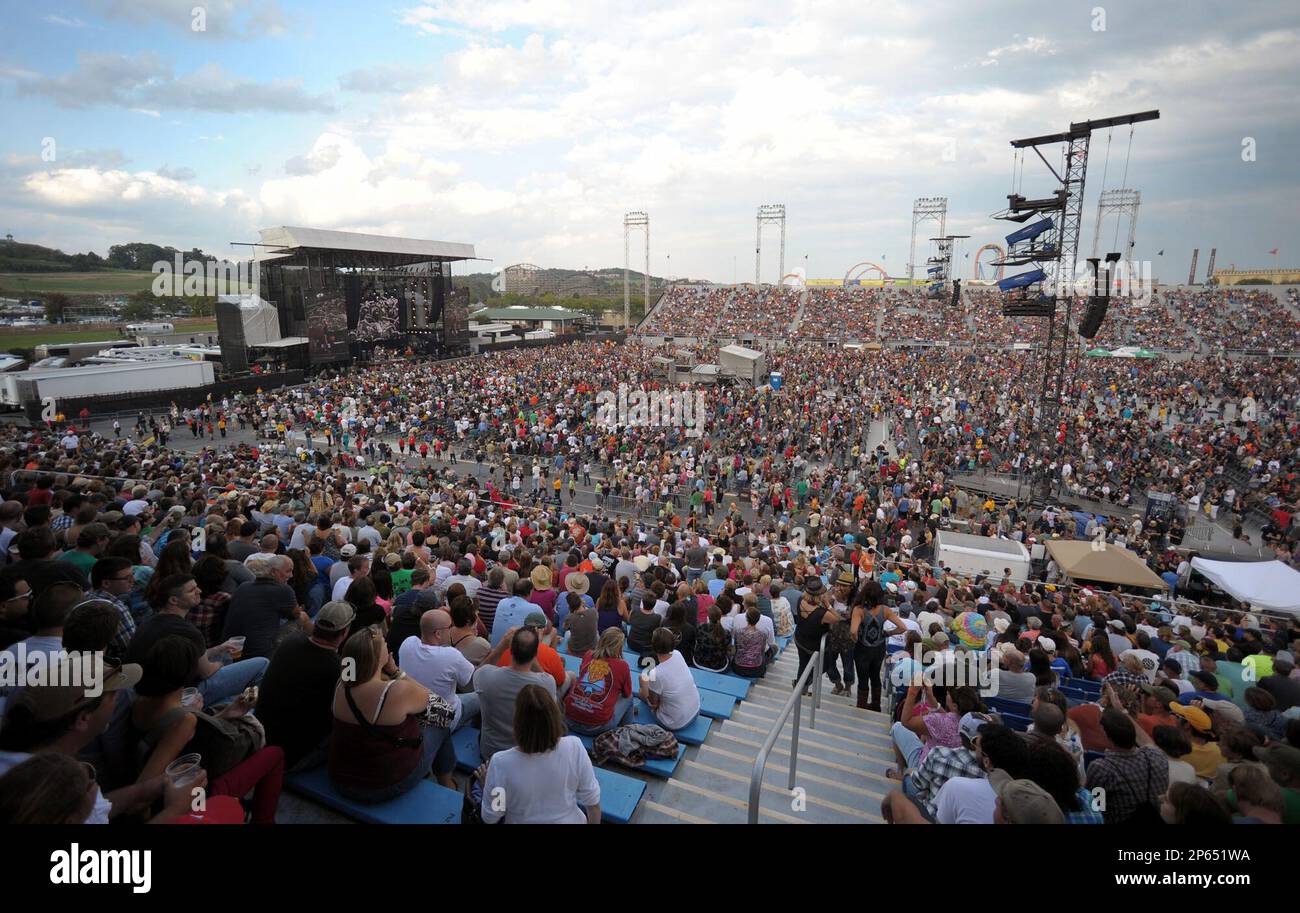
1209 270
925 209
769 213
1118 202
1056 278
634 220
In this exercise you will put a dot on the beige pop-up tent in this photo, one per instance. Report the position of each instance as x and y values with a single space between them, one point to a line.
1080 560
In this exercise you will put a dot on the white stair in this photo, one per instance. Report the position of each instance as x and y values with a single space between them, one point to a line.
840 777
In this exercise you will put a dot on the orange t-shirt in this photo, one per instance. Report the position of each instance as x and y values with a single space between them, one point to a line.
547 658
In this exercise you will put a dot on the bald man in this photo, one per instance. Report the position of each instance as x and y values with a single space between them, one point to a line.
440 667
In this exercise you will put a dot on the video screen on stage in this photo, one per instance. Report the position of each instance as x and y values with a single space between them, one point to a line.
327 326
374 309
456 317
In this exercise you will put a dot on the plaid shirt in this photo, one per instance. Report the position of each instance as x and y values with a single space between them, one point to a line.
126 630
1129 778
209 615
1122 678
1085 815
940 766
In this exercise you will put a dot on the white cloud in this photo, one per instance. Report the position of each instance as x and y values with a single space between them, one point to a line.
65 21
1032 45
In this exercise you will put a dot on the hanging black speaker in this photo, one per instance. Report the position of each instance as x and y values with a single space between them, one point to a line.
1093 317
439 298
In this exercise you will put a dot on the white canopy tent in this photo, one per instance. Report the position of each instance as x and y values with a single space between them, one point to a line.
1264 584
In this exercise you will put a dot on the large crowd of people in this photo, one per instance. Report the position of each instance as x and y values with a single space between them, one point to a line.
1202 321
391 553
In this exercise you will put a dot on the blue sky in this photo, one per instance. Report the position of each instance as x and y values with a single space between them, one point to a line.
528 127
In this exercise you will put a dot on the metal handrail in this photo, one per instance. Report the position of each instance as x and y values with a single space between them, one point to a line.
794 703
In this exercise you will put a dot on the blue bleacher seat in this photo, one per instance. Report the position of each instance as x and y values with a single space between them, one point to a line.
619 794
1002 705
1017 721
1090 756
694 734
427 803
657 767
716 705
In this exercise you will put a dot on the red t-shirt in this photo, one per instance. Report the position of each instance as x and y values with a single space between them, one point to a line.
601 682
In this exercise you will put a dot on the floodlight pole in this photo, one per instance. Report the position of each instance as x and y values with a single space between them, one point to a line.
769 213
633 220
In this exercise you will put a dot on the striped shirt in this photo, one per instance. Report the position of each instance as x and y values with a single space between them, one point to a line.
487 604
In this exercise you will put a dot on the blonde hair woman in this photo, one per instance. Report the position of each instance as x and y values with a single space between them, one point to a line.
601 698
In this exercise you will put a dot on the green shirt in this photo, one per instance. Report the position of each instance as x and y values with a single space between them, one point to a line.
401 581
82 560
1290 805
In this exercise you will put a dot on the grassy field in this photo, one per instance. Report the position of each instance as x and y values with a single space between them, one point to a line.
104 282
27 338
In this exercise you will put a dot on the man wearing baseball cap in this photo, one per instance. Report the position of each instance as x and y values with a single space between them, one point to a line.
1205 755
66 718
1023 802
295 699
1155 708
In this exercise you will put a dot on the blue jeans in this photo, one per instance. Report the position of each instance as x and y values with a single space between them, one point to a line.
909 744
232 678
622 709
435 751
469 711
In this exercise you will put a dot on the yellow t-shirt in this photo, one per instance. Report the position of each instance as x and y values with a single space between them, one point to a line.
1205 758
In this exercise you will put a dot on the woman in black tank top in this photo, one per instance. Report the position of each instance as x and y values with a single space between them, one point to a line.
867 616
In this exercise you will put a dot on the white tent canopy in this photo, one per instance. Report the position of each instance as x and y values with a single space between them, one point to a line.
1263 584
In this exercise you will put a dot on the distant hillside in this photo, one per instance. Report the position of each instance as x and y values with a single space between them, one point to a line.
19 257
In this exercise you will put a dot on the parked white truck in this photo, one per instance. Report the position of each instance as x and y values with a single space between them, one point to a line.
969 555
19 387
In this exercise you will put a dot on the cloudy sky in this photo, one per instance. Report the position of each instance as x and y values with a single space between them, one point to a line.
529 127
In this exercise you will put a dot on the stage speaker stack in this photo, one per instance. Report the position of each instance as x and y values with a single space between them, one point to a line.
1092 318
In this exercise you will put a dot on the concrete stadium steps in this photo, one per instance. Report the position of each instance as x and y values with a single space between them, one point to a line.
799 314
841 766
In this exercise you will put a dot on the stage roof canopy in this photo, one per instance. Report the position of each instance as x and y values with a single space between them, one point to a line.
282 241
1113 564
287 342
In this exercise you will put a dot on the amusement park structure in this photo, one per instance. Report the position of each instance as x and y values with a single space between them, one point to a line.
858 270
999 253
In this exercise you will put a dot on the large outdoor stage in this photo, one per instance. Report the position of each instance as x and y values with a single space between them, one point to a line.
349 294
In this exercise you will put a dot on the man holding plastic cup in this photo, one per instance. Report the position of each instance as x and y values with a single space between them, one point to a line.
218 676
